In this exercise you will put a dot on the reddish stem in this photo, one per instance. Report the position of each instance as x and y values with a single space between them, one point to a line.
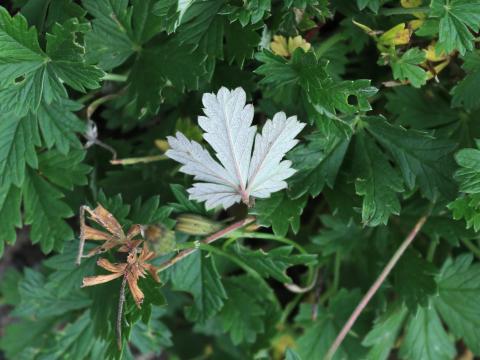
218 235
376 285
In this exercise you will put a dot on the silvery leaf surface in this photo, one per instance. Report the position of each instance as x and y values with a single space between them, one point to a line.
267 171
239 175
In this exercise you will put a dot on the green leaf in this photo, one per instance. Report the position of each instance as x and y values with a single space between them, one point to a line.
310 74
338 235
457 19
414 279
376 181
468 176
198 275
65 171
119 30
406 67
468 208
275 262
457 300
30 74
77 338
41 302
418 108
202 27
244 310
20 53
422 158
465 91
157 67
151 337
318 161
10 214
240 43
425 337
45 212
292 355
280 212
320 334
18 138
383 335
21 337
59 125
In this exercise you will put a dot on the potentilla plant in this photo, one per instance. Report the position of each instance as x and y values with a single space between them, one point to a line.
243 233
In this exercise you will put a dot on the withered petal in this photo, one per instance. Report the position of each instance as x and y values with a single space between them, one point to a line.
134 231
90 233
99 279
103 217
153 271
134 289
114 268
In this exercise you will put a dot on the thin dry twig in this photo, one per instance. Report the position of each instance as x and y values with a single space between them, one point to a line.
121 302
376 285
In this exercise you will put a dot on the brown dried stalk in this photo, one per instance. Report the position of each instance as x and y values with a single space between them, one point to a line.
373 289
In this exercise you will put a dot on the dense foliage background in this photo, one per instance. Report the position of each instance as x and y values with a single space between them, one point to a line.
390 93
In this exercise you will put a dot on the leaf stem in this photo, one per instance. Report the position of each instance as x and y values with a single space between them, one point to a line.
403 11
138 160
114 77
376 285
471 246
210 239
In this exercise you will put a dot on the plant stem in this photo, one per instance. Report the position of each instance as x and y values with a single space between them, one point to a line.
471 246
210 239
114 77
144 159
121 301
259 235
431 250
404 11
336 272
376 285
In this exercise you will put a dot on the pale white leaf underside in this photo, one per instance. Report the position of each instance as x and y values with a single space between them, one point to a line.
240 175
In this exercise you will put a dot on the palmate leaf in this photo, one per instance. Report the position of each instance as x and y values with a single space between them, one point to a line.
198 275
45 211
120 30
275 262
31 75
318 161
423 159
406 67
280 212
457 300
310 74
18 138
457 19
241 174
243 315
376 181
10 214
465 93
383 335
425 337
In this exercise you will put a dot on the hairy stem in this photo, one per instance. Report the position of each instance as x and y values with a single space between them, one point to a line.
121 301
218 235
376 285
81 245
